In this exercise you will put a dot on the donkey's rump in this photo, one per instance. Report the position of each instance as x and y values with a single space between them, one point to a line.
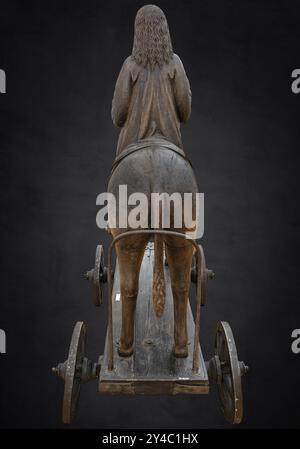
154 169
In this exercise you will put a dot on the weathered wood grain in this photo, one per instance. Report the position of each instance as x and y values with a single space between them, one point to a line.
152 369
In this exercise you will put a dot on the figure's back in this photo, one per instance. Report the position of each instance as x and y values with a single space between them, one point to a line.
152 94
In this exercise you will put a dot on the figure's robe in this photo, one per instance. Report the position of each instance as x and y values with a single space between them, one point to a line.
151 102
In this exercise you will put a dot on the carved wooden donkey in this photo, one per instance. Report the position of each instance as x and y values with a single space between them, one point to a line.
152 97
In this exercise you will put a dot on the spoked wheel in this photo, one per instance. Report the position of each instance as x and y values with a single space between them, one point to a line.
72 379
226 370
77 369
205 274
98 275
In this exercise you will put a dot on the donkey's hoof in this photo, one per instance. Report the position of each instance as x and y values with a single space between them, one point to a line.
181 352
125 352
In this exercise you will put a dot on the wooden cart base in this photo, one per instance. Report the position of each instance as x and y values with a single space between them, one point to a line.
152 369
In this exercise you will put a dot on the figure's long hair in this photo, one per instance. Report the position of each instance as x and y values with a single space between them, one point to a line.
152 44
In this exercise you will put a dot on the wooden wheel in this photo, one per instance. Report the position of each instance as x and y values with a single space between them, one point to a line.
97 275
75 371
72 377
230 386
205 274
226 370
71 372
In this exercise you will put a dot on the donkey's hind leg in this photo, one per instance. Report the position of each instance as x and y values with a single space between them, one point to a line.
179 255
130 251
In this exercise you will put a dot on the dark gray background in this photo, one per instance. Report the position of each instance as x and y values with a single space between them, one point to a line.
57 146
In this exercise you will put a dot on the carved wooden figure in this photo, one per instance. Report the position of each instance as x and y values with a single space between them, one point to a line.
152 97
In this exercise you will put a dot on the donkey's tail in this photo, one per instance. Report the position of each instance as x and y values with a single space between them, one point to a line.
158 285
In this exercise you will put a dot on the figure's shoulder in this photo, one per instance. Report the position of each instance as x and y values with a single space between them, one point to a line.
127 62
131 66
174 65
177 61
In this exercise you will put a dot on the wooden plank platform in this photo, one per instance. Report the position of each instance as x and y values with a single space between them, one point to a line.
152 369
